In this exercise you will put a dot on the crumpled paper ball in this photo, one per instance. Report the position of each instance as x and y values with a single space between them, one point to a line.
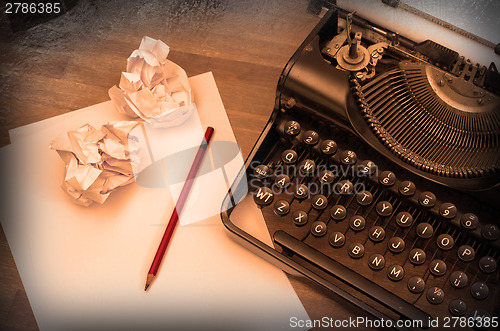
153 88
97 161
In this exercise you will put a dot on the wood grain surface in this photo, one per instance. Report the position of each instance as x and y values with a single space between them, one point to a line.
70 62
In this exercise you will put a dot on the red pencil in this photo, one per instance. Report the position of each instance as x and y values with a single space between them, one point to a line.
178 207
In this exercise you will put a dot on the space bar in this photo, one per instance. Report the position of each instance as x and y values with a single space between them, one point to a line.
353 279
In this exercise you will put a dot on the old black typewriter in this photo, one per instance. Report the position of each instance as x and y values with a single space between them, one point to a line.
378 174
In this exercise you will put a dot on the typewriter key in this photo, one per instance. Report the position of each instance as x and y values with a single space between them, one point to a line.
384 208
307 167
261 171
282 181
263 196
301 191
437 267
395 272
299 217
357 223
448 210
377 233
356 250
396 245
459 279
417 256
466 253
445 241
407 188
478 318
404 219
387 178
479 290
289 156
416 284
435 295
364 198
376 262
427 199
336 239
318 229
487 264
348 157
457 307
319 202
367 168
326 177
310 138
490 232
469 221
338 212
345 187
281 207
328 147
292 128
425 230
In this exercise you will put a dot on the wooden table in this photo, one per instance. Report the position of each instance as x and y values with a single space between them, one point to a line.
71 62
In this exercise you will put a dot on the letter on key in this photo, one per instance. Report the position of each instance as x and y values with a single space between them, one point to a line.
263 196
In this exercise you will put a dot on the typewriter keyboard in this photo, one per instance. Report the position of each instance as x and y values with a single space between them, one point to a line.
420 250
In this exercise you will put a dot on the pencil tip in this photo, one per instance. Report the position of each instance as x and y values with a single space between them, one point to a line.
146 287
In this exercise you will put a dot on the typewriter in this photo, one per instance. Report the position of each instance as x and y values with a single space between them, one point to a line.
378 174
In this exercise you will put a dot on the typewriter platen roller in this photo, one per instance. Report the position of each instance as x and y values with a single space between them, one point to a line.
378 174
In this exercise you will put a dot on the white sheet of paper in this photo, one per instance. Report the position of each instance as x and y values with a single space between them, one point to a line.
85 267
419 29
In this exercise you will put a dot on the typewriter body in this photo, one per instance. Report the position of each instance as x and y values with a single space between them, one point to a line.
378 174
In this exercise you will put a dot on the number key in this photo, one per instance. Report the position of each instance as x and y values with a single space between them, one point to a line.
427 199
367 168
310 138
448 210
292 128
469 221
387 178
348 157
407 188
328 147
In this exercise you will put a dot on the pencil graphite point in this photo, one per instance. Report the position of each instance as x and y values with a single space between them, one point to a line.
149 279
